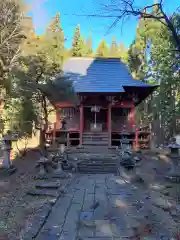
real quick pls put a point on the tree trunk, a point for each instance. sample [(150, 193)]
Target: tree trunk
[(44, 127)]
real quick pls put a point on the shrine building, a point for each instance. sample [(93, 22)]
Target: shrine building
[(108, 96)]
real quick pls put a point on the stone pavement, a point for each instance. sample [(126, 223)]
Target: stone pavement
[(121, 208)]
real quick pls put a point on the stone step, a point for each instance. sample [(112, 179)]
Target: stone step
[(96, 170), (93, 168), (97, 165), (93, 149), (99, 161), (103, 157)]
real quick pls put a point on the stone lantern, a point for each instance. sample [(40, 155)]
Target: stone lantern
[(7, 140), (174, 154), (174, 148)]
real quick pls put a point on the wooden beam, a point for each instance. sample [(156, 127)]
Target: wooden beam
[(124, 104), (64, 104)]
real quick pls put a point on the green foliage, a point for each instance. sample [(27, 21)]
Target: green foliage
[(12, 35), (37, 84), (113, 51), (165, 64), (102, 49), (78, 45), (55, 36), (123, 53), (88, 47), (50, 45), (152, 56), (37, 81)]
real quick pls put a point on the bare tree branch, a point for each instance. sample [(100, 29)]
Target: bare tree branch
[(121, 9)]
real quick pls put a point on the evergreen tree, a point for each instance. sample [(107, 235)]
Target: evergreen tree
[(135, 61), (152, 57), (113, 51), (55, 31), (102, 49), (55, 35), (82, 47), (123, 53), (89, 48), (78, 43), (12, 32)]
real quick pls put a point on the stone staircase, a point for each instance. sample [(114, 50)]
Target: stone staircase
[(95, 139), (95, 159), (99, 163)]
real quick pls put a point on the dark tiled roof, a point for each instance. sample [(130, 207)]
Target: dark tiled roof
[(99, 75)]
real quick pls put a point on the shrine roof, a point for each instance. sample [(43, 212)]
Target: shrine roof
[(100, 75)]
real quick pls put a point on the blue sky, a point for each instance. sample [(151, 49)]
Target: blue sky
[(42, 12)]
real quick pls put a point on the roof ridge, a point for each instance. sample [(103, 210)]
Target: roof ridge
[(94, 58), (100, 74)]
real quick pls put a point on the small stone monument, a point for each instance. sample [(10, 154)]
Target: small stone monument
[(43, 161), (174, 173), (174, 148), (59, 173)]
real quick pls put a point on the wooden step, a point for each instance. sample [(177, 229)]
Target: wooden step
[(96, 133), (95, 143), (94, 138)]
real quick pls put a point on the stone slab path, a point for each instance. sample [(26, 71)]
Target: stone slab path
[(121, 209)]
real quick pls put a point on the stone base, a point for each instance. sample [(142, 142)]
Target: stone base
[(42, 176), (7, 172), (60, 175), (174, 155), (174, 178)]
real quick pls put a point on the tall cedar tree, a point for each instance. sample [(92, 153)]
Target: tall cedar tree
[(151, 57), (113, 51), (12, 34), (89, 48), (102, 49), (55, 34), (123, 53), (77, 43)]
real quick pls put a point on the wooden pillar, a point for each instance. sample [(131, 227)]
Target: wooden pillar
[(81, 122), (54, 136), (133, 128), (58, 122), (68, 139), (107, 119), (109, 125), (132, 118), (136, 138)]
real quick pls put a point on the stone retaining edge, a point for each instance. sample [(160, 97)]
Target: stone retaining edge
[(42, 215)]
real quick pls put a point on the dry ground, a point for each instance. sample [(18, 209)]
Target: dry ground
[(17, 208)]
